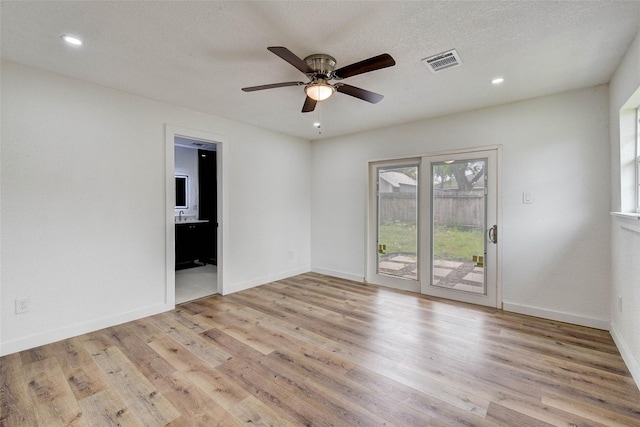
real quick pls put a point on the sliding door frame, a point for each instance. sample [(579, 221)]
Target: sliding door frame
[(371, 237)]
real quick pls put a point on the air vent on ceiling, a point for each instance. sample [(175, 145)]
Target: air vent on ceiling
[(442, 61)]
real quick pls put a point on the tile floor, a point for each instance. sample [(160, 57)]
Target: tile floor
[(196, 282)]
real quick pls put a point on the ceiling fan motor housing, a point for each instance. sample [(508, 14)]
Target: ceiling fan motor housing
[(322, 64)]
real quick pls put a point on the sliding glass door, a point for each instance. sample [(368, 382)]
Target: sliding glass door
[(395, 232), (434, 224), (461, 239)]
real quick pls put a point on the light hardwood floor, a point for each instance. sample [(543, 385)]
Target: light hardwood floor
[(319, 351)]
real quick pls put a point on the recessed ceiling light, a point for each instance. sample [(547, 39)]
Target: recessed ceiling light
[(497, 80), (71, 40)]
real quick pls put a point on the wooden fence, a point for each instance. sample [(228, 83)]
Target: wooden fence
[(450, 208)]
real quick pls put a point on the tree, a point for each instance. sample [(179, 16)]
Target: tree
[(467, 181), (466, 174)]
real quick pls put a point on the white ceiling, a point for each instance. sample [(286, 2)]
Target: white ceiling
[(200, 54)]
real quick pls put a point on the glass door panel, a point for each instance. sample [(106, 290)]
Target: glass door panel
[(397, 217), (458, 213), (460, 243)]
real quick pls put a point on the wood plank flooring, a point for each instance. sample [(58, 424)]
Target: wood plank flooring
[(314, 350)]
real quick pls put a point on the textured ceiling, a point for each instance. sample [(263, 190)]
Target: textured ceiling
[(199, 54)]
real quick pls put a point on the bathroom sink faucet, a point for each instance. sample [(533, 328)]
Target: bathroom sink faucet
[(180, 215)]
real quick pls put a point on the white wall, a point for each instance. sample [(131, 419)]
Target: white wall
[(555, 251), (84, 212), (625, 256)]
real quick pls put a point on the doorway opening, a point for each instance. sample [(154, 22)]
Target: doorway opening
[(195, 219), (193, 215)]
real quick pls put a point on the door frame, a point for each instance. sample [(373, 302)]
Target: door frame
[(171, 132), (371, 223)]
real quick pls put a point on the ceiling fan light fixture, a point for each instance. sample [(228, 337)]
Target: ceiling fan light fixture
[(319, 91)]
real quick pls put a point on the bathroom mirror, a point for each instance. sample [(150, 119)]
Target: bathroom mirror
[(182, 191)]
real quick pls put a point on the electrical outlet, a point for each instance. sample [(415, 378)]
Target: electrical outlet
[(22, 305), (620, 303)]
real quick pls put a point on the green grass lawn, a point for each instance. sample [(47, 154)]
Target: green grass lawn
[(457, 244), (399, 237), (450, 242)]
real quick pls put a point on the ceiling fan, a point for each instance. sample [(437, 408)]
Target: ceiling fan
[(319, 69)]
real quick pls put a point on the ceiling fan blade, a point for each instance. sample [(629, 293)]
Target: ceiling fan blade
[(376, 63), (309, 105), (365, 95), (271, 86), (292, 59)]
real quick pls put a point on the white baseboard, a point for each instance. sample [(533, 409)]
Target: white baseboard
[(49, 337), (627, 355), (557, 315), (338, 274), (237, 287)]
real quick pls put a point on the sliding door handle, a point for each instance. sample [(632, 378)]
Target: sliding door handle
[(493, 234)]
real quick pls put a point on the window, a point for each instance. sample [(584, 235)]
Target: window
[(629, 202), (637, 160)]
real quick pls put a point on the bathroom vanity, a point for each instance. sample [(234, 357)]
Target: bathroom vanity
[(191, 242)]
